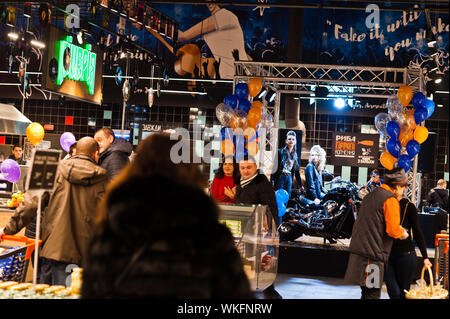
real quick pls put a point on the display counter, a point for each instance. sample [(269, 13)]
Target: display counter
[(256, 237)]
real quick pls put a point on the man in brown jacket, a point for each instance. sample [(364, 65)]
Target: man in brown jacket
[(67, 225)]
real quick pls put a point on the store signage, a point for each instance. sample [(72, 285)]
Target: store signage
[(71, 69), (75, 63), (42, 175), (355, 149)]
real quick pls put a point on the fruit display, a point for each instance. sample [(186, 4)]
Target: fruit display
[(16, 199), (15, 290)]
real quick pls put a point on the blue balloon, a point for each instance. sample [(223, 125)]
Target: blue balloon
[(281, 196), (394, 147), (241, 91), (418, 99), (226, 133), (429, 105), (413, 148), (405, 162), (393, 129), (281, 209), (420, 114), (244, 105), (231, 100)]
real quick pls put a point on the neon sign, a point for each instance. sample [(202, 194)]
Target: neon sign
[(75, 63)]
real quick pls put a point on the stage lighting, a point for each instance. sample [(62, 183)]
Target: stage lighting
[(261, 93), (431, 40), (339, 103), (270, 97), (438, 80)]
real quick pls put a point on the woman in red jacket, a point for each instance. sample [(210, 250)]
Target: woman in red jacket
[(223, 187)]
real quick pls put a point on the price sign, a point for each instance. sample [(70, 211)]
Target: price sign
[(44, 165)]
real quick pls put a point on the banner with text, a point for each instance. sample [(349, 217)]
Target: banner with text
[(355, 149)]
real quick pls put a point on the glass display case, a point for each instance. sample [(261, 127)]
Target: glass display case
[(256, 237)]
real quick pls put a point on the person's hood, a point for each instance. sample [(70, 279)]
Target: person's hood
[(119, 145), (82, 170)]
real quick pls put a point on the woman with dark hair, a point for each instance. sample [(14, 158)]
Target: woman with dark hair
[(159, 235), (223, 186), (288, 165)]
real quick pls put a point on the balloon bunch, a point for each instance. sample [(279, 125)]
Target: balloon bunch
[(241, 118), (402, 127)]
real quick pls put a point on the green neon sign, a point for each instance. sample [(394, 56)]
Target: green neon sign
[(75, 63)]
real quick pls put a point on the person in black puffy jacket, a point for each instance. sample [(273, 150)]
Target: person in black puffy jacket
[(158, 235), (114, 152)]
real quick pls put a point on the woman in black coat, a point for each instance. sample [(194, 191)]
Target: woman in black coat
[(159, 235), (403, 259)]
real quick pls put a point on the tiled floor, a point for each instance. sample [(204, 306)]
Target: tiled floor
[(308, 287)]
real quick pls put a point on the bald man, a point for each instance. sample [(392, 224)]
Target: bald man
[(67, 225)]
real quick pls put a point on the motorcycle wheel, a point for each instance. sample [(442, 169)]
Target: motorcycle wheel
[(289, 233)]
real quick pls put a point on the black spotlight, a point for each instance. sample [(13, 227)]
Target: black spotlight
[(270, 96), (261, 93), (321, 91)]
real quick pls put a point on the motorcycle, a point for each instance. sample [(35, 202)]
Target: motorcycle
[(332, 219)]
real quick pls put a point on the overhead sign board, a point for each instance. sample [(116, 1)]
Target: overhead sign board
[(72, 69)]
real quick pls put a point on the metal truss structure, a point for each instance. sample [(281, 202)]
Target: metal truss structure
[(345, 81)]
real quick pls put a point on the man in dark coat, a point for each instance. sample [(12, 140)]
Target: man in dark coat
[(377, 224), (114, 152), (68, 221), (255, 188), (438, 196)]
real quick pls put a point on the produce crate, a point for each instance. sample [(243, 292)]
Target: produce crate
[(441, 259), (14, 260)]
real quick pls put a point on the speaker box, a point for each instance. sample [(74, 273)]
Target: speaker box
[(428, 154)]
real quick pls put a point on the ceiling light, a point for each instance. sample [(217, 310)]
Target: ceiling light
[(13, 36), (37, 44), (80, 37)]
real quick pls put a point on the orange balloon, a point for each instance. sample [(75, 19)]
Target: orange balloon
[(405, 136), (254, 86), (254, 116), (35, 133), (252, 148), (227, 147), (405, 94), (421, 134), (257, 105), (387, 160)]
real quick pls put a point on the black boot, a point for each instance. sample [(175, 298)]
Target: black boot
[(271, 293)]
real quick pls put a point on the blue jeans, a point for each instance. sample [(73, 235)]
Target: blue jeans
[(284, 181), (399, 273)]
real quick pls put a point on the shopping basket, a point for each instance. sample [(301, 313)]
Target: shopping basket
[(422, 291), (14, 260)]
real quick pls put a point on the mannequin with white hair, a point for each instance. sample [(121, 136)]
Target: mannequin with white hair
[(314, 186)]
